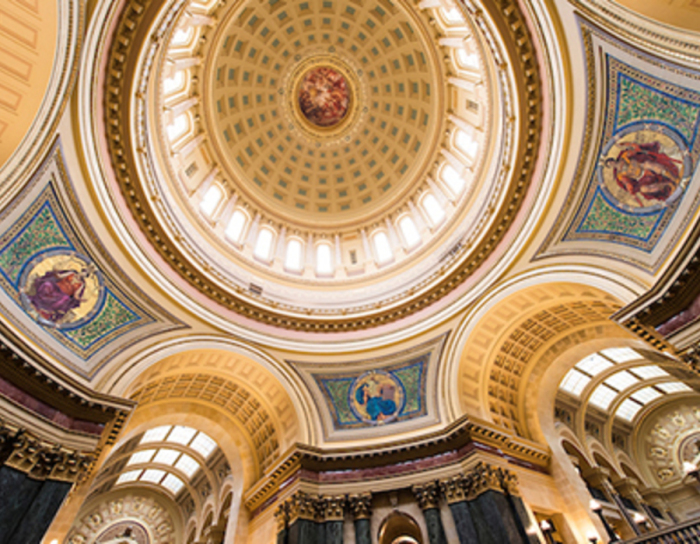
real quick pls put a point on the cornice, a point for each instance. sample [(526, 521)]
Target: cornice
[(447, 447), (123, 56)]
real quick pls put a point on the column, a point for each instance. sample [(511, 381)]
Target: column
[(628, 488), (333, 512), (454, 492), (428, 498), (214, 534), (495, 515), (303, 528), (281, 519), (361, 508), (599, 477)]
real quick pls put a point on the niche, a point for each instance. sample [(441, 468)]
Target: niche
[(399, 528)]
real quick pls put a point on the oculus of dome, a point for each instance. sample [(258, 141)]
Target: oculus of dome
[(324, 96)]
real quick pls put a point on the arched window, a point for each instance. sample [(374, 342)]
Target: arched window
[(453, 180), (453, 16), (293, 258), (324, 259), (466, 144), (174, 83), (182, 36), (211, 200), (236, 227), (433, 209), (467, 60), (409, 232), (264, 244), (382, 248), (178, 128)]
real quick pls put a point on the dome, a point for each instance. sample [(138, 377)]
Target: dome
[(322, 166)]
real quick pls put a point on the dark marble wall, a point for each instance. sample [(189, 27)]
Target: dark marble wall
[(27, 506)]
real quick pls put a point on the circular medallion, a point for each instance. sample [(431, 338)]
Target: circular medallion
[(377, 397), (61, 289), (324, 96), (645, 166)]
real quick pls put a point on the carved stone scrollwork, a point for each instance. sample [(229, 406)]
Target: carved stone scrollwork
[(427, 495), (332, 508), (361, 506)]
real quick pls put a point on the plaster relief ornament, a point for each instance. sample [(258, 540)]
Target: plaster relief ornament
[(61, 289), (324, 96), (377, 397), (645, 167), (125, 532)]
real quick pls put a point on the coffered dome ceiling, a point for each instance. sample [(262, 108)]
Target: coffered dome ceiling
[(321, 165)]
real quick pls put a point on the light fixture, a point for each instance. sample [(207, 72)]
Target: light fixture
[(597, 508), (640, 521), (593, 538), (546, 528), (691, 469)]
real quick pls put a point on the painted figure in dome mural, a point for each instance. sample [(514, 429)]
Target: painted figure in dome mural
[(57, 292), (379, 399), (324, 97), (643, 170)]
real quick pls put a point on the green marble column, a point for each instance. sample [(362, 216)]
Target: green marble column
[(361, 508), (453, 490), (303, 527), (333, 513), (428, 498)]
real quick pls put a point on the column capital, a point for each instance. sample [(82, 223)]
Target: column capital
[(454, 489), (332, 508), (303, 505), (361, 505), (427, 495), (484, 477), (281, 517)]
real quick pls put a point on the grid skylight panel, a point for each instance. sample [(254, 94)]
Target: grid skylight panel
[(621, 355), (187, 465), (649, 372), (594, 364), (628, 409), (166, 457), (130, 476), (674, 387), (646, 395), (153, 475), (181, 435), (172, 483), (156, 434), (603, 396), (203, 445), (141, 457), (621, 380)]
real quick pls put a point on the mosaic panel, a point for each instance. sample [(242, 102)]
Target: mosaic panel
[(645, 159)]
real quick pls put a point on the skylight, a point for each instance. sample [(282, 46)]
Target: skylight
[(574, 382), (594, 364), (674, 387), (181, 435), (152, 475), (156, 434), (187, 465), (172, 483), (628, 409), (166, 457), (141, 457), (621, 355), (649, 372), (621, 380), (203, 445), (130, 476), (646, 395), (602, 396)]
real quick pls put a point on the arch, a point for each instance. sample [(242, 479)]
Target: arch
[(399, 528), (237, 226), (325, 262), (432, 210), (381, 247), (294, 254), (265, 244)]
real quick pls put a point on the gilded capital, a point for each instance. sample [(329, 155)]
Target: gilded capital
[(427, 495), (454, 489), (333, 508), (302, 505), (281, 517), (361, 505)]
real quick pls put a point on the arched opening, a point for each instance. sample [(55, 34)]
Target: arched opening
[(399, 528)]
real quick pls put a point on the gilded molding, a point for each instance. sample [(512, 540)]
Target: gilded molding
[(123, 55)]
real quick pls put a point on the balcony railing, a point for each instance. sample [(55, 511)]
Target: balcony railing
[(688, 531)]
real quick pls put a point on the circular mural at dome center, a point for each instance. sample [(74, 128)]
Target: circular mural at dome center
[(324, 96)]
